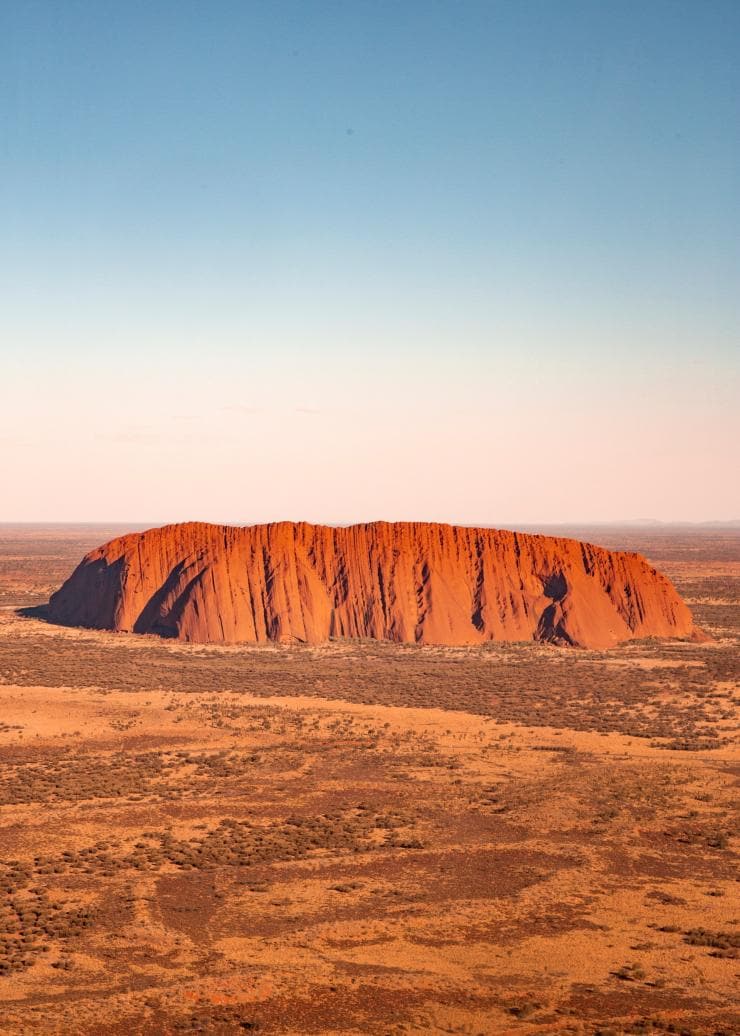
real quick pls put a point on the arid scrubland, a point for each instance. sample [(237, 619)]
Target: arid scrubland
[(368, 838)]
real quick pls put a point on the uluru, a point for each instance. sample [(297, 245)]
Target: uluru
[(406, 582)]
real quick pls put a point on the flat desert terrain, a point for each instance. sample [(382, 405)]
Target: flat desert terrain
[(366, 838)]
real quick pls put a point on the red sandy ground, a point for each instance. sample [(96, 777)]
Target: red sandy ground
[(366, 838)]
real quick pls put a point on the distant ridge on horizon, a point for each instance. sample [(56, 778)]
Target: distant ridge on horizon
[(408, 582)]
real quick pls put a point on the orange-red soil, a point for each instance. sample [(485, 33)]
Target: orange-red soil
[(368, 837)]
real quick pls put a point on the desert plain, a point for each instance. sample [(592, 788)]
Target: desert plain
[(363, 837)]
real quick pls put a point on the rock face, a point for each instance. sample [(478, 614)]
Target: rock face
[(407, 582)]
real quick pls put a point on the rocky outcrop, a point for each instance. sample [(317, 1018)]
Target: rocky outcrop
[(407, 582)]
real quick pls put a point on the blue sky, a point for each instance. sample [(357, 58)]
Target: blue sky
[(465, 261)]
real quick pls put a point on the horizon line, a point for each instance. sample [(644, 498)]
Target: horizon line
[(576, 522)]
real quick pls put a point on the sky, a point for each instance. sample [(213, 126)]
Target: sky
[(330, 261)]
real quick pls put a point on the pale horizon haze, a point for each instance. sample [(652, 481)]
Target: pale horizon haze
[(465, 262)]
